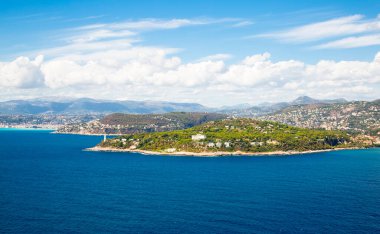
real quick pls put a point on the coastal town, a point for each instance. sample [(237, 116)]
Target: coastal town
[(46, 121), (356, 117)]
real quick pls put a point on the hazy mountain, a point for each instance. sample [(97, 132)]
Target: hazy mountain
[(268, 108), (236, 107), (92, 106), (305, 100), (63, 105)]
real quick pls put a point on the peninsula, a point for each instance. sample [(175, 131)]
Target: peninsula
[(237, 136)]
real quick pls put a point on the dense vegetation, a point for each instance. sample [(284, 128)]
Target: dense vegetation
[(182, 119), (134, 123), (232, 135)]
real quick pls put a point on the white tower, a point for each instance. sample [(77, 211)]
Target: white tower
[(105, 137)]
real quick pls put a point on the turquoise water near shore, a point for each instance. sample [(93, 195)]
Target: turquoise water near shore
[(49, 185), (25, 129)]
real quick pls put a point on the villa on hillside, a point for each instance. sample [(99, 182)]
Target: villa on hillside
[(198, 137)]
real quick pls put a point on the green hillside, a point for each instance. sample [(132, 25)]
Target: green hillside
[(233, 135), (139, 123)]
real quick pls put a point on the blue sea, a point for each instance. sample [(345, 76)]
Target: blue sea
[(49, 185)]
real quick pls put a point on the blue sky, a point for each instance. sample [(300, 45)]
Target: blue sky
[(184, 35), (30, 25)]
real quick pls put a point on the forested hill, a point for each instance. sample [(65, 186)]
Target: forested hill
[(231, 135), (130, 123)]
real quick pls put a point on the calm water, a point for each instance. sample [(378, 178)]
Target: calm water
[(48, 184)]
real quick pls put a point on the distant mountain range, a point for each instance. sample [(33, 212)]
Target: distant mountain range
[(91, 106), (268, 108), (337, 114), (305, 100)]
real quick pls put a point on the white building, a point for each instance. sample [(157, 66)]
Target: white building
[(171, 150), (211, 144), (198, 137), (273, 142)]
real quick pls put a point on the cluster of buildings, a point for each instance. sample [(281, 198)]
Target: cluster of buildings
[(48, 121), (355, 116), (218, 144), (227, 144), (98, 127)]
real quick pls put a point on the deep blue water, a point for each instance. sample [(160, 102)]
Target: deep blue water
[(49, 185)]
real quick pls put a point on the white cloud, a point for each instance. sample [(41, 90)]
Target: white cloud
[(242, 24), (354, 26), (88, 47), (158, 74), (21, 73), (150, 24), (154, 24), (352, 42), (348, 25), (121, 35), (110, 67), (127, 29), (199, 74), (251, 60), (100, 34), (216, 57), (104, 61)]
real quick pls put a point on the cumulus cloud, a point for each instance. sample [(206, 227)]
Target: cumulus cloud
[(105, 61), (22, 73), (190, 75), (129, 66), (214, 57), (158, 74)]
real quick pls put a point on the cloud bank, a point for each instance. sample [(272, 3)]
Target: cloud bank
[(158, 74), (106, 61)]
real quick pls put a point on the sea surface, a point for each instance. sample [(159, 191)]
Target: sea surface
[(49, 185)]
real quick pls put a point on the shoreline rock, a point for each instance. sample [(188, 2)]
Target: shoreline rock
[(214, 154)]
